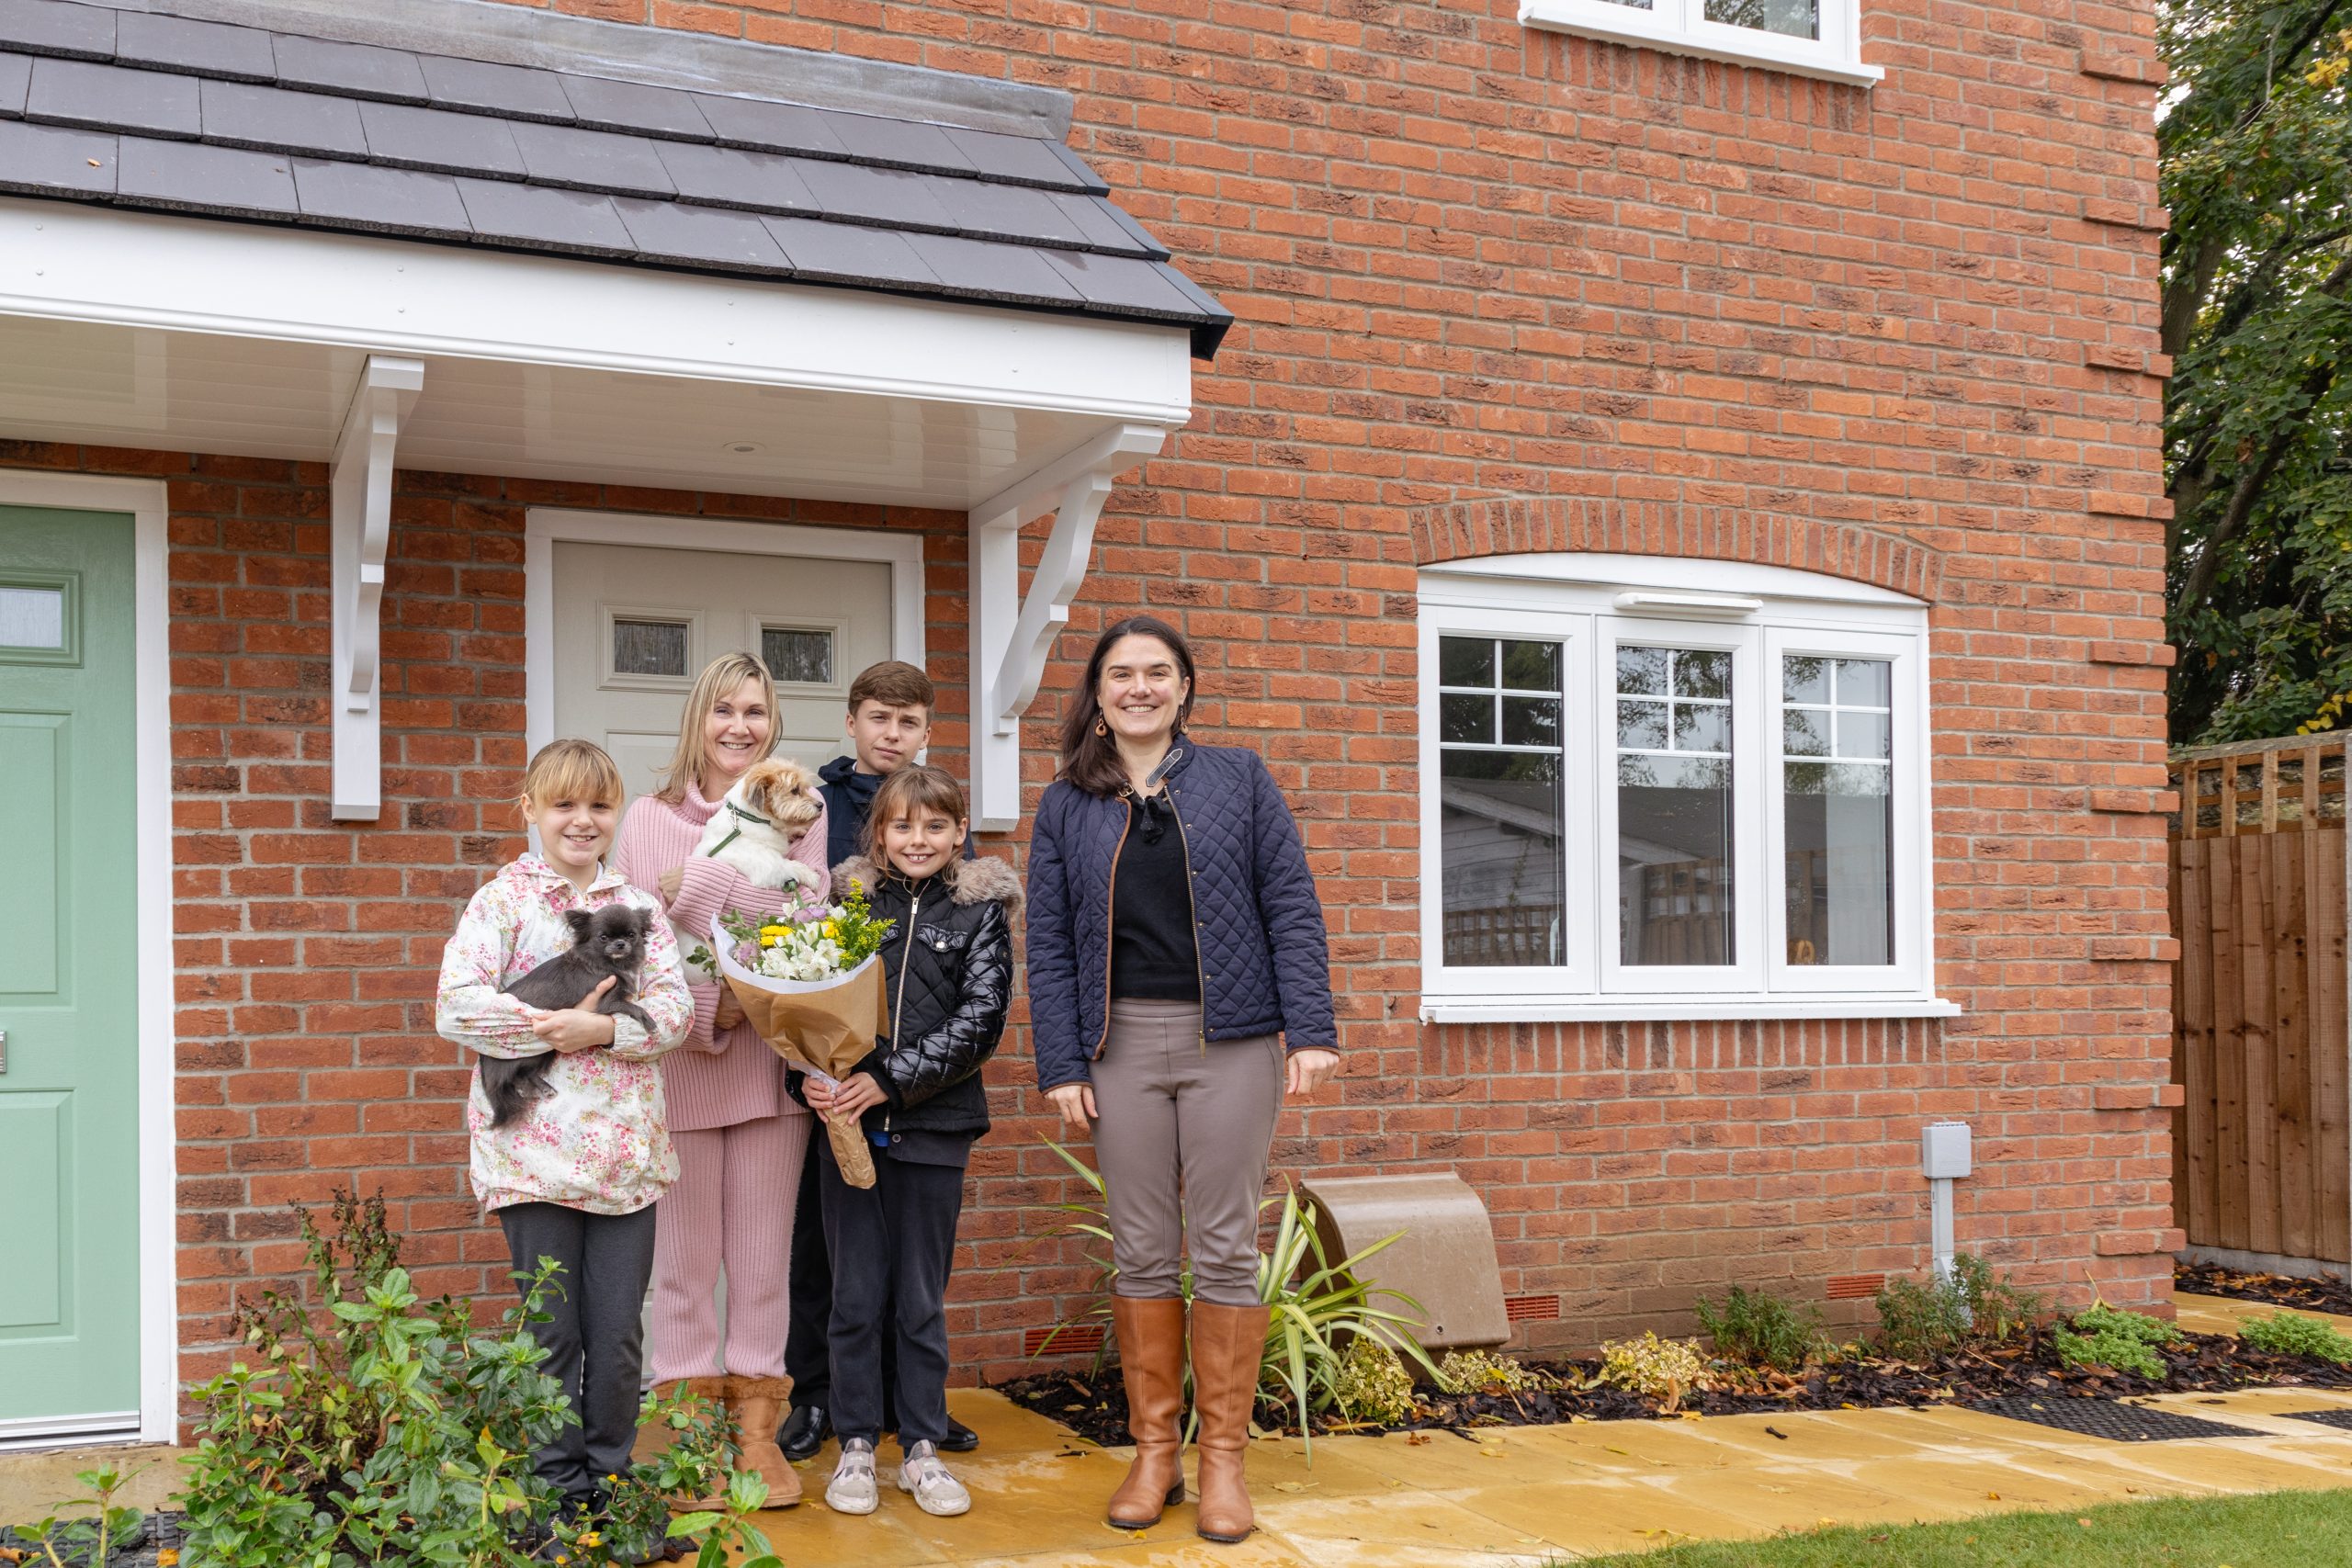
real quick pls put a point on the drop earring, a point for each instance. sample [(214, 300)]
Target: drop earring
[(1100, 727)]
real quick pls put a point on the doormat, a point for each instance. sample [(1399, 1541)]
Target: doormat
[(2108, 1418), (2338, 1417)]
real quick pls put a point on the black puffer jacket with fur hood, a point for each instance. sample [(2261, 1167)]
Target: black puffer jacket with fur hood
[(949, 966)]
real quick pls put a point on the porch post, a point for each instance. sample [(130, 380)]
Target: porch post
[(360, 489), (1013, 637)]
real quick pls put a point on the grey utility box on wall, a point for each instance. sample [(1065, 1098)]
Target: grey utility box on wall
[(1443, 1259)]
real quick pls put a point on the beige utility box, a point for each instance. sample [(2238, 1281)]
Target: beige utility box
[(1444, 1259)]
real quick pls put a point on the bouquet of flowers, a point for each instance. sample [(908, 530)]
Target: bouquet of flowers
[(810, 982)]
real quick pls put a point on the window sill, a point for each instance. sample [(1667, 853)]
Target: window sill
[(1586, 18), (1685, 1009)]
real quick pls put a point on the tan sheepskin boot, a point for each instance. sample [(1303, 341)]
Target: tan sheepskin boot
[(714, 1390), (757, 1405)]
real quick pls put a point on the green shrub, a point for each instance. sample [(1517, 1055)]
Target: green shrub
[(1463, 1371), (392, 1430), (1977, 1305), (2291, 1333), (1663, 1370), (2107, 1336), (1762, 1330), (1371, 1384)]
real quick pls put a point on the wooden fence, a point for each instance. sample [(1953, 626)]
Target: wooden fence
[(2262, 1148)]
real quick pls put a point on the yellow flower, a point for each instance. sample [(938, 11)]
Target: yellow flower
[(830, 928), (168, 1558), (770, 935)]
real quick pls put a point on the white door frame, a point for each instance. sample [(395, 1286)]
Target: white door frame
[(147, 502), (545, 526)]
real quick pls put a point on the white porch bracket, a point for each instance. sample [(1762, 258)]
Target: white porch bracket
[(1013, 637), (360, 488)]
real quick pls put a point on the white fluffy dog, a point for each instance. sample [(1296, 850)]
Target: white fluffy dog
[(753, 829)]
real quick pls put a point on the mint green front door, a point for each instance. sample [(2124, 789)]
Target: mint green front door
[(69, 948)]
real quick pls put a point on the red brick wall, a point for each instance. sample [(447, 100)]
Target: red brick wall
[(1686, 308)]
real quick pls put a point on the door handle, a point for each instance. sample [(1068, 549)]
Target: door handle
[(4, 1052)]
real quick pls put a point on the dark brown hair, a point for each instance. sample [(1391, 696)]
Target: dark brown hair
[(896, 683), (1090, 761), (913, 789)]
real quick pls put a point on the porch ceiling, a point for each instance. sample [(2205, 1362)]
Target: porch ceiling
[(175, 391)]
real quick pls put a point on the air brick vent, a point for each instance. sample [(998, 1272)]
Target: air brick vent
[(1077, 1339), (1531, 1309), (1854, 1287)]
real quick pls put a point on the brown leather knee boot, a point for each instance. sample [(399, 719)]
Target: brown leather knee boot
[(1228, 1343), (1151, 1360), (757, 1405)]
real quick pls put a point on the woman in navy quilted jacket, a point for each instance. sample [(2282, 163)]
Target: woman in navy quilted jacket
[(1179, 986)]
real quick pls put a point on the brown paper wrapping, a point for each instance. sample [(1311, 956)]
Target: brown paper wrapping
[(818, 1026)]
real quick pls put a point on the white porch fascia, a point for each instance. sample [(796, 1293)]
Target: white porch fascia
[(1013, 637), (360, 341)]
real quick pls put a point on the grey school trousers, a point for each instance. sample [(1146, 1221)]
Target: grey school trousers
[(593, 1336), (1182, 1134)]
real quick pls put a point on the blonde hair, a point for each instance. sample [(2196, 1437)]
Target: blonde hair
[(718, 677), (915, 788), (571, 770)]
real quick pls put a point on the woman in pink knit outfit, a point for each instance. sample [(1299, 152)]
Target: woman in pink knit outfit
[(739, 1137)]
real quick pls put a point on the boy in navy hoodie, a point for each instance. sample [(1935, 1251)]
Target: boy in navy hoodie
[(891, 706)]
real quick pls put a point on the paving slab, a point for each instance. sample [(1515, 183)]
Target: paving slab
[(2222, 1315)]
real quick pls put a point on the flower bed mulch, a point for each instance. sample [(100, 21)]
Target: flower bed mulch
[(157, 1533), (1094, 1405), (2276, 1289)]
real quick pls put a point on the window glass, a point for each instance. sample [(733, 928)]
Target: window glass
[(648, 647), (1838, 809), (1674, 807), (32, 617), (1500, 783), (1794, 18), (792, 654)]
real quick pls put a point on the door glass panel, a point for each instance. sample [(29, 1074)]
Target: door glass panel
[(1500, 796), (793, 654), (1837, 810), (648, 647), (32, 617), (1674, 805)]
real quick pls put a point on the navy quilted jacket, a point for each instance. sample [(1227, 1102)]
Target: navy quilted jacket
[(1265, 960)]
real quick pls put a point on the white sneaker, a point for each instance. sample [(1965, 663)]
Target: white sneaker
[(852, 1490), (935, 1490)]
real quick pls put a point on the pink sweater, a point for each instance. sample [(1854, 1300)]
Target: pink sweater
[(710, 1081)]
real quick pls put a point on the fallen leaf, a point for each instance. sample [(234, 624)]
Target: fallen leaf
[(1295, 1485), (1416, 1440), (2084, 1523), (1775, 1431), (1995, 1497)]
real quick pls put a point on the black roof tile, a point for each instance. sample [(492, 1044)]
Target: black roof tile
[(576, 222), (49, 160), (768, 127), (107, 97), (354, 70), (188, 177), (630, 106), (592, 160), (409, 138), (380, 139), (53, 27), (199, 49), (379, 200), (979, 270), (699, 236), (1016, 160), (238, 114), (730, 176), (844, 252), (886, 197), (511, 92)]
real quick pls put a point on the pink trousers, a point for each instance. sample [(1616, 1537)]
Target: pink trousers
[(732, 1205)]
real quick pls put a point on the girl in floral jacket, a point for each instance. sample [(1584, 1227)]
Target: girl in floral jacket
[(574, 1177)]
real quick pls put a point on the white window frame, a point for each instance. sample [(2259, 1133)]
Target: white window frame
[(1590, 603), (1680, 27)]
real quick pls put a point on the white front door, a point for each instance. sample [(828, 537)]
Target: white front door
[(635, 625)]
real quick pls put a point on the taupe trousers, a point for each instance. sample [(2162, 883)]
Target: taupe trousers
[(1182, 1134)]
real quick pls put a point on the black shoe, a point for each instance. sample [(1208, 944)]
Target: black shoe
[(960, 1439), (804, 1432)]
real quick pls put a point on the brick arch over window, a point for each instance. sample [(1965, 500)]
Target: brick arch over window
[(1514, 525)]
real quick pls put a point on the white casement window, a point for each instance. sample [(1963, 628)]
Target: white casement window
[(1658, 788), (1805, 37)]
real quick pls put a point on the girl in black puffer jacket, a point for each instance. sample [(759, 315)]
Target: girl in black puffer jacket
[(948, 965)]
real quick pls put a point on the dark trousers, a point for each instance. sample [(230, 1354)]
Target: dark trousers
[(892, 1245), (807, 1358), (594, 1335)]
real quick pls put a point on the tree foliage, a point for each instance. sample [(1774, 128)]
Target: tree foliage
[(2255, 146)]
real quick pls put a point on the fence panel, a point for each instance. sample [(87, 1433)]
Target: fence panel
[(2262, 1146)]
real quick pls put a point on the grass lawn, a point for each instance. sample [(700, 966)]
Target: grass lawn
[(2264, 1530)]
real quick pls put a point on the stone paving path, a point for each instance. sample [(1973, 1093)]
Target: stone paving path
[(1525, 1495)]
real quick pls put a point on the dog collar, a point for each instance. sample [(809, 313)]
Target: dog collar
[(735, 833)]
